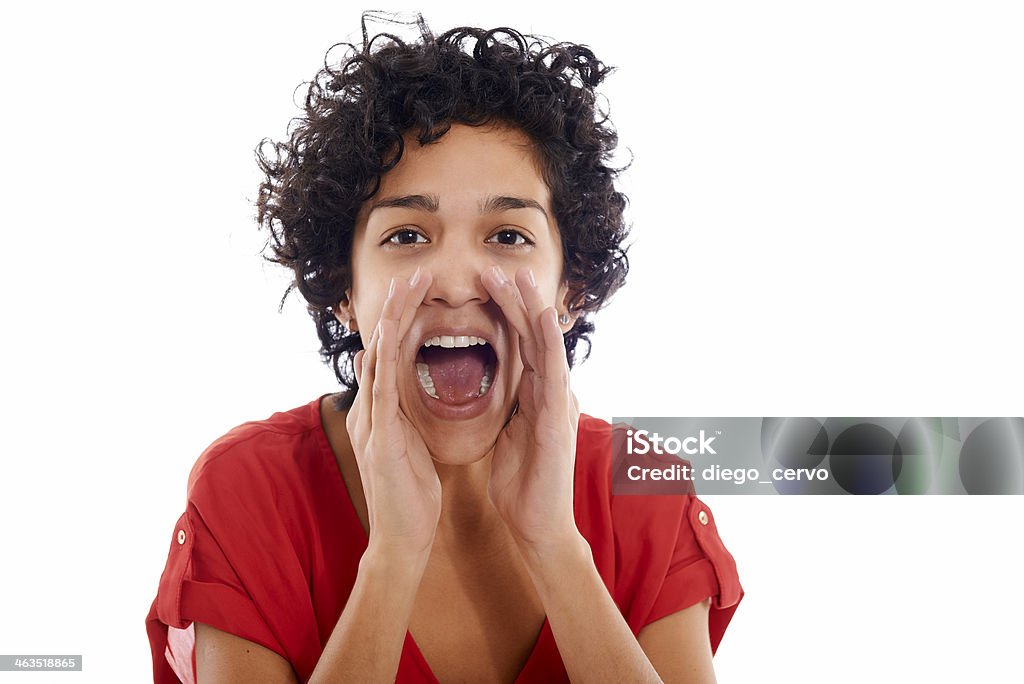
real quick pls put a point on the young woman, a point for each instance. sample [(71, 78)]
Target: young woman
[(448, 213)]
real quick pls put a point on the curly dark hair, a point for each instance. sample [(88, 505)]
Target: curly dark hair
[(352, 134)]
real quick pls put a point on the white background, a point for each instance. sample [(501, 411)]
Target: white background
[(826, 202)]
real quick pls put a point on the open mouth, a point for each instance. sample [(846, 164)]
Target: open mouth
[(457, 369)]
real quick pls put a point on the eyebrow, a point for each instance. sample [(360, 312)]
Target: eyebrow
[(423, 202), (493, 205), (430, 203)]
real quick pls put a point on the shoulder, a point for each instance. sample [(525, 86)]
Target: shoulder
[(593, 451), (601, 457), (601, 473), (257, 498), (663, 516), (268, 454)]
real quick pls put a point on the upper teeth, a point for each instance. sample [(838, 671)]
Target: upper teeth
[(449, 341)]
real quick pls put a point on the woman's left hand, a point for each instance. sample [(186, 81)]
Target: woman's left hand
[(532, 471)]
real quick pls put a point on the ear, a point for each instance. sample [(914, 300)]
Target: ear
[(565, 295), (345, 312)]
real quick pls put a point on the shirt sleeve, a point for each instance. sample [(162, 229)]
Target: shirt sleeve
[(700, 567), (199, 583), (210, 590), (656, 545), (235, 561)]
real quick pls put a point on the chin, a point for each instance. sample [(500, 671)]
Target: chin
[(460, 442), (458, 445)]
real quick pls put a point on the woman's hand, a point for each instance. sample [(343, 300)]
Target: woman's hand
[(403, 493), (532, 472)]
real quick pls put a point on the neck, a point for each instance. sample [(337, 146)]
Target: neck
[(467, 514)]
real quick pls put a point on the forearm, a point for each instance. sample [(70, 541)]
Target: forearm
[(593, 638), (367, 641)]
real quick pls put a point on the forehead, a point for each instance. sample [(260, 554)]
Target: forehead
[(466, 163)]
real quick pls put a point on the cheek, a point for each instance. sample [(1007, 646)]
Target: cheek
[(367, 305), (552, 294), (370, 309), (551, 281), (370, 280)]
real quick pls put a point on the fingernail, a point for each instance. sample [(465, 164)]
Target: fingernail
[(415, 277), (499, 274), (529, 274), (391, 288)]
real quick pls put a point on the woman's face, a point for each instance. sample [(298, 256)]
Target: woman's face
[(472, 200)]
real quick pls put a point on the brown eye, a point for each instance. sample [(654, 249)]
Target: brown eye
[(510, 238), (405, 236)]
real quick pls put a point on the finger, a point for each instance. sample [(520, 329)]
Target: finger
[(419, 282), (556, 367), (352, 417), (368, 359), (357, 369), (357, 366), (365, 394), (527, 392), (368, 350), (398, 292), (507, 296), (534, 306), (385, 384), (404, 297)]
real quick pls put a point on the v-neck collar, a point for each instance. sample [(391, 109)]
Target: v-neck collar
[(545, 633)]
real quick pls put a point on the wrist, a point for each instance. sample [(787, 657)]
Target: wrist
[(556, 554), (396, 564)]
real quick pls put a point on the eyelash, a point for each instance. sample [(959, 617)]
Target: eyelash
[(400, 231), (527, 242)]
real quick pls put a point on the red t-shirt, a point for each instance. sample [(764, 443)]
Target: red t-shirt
[(269, 545)]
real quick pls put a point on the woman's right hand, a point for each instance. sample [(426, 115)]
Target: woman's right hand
[(403, 493)]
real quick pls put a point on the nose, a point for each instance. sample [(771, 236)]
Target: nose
[(456, 278)]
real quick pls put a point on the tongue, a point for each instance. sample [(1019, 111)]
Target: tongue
[(456, 372)]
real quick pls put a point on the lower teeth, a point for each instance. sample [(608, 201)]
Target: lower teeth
[(427, 383), (485, 383)]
